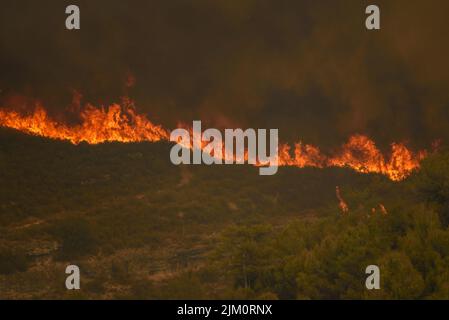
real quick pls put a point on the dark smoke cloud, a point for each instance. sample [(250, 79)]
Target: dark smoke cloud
[(309, 68)]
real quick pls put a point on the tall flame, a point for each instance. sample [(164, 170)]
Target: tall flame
[(98, 125), (121, 123)]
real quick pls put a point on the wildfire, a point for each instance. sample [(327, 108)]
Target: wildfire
[(98, 125), (121, 123)]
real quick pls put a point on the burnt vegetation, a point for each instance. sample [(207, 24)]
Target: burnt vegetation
[(140, 227)]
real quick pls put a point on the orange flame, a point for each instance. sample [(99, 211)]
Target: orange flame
[(121, 123), (98, 125), (360, 154)]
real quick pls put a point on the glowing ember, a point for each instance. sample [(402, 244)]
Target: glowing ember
[(121, 123), (341, 203)]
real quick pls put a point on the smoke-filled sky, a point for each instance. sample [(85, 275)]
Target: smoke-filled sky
[(309, 68)]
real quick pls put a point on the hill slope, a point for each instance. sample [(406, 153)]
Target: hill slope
[(135, 222)]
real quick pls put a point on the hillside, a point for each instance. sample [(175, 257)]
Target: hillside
[(140, 227)]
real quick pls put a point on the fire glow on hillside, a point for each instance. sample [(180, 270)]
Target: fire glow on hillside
[(121, 123)]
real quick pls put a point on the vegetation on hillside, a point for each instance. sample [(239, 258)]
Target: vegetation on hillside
[(139, 227)]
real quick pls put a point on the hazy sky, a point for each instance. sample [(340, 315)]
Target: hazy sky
[(309, 68)]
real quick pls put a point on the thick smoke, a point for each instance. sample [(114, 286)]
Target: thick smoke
[(309, 68)]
